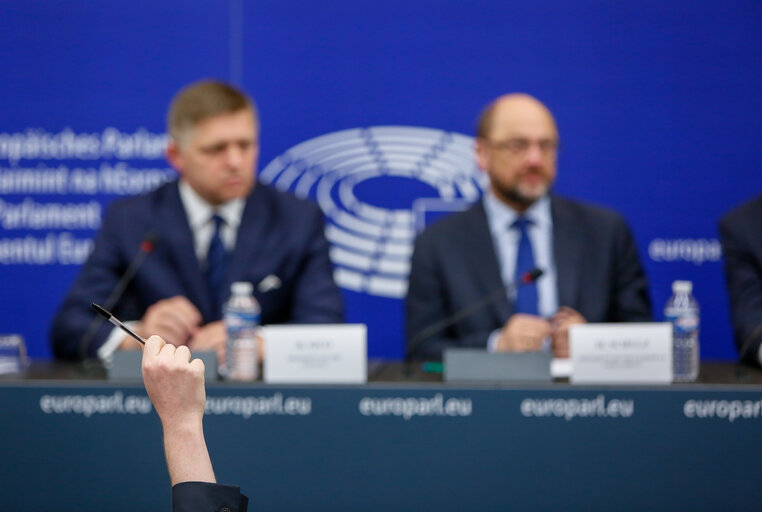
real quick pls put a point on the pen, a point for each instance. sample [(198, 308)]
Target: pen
[(114, 320)]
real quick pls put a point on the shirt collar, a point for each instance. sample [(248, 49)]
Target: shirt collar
[(198, 211), (500, 215)]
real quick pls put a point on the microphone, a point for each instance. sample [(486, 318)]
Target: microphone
[(147, 246), (526, 278)]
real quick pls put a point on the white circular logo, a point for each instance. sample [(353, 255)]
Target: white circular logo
[(372, 185)]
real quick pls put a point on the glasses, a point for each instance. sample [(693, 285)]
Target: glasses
[(520, 147)]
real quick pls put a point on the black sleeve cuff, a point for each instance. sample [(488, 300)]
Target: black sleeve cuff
[(207, 497)]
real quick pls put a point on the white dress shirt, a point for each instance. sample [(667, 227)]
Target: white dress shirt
[(200, 213)]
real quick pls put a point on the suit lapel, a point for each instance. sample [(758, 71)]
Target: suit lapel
[(251, 233), (174, 228), (479, 250), (568, 247)]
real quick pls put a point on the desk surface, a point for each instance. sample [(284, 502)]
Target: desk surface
[(712, 373), (88, 444)]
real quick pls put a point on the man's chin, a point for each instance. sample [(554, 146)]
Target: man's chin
[(529, 195), (238, 191), (521, 196)]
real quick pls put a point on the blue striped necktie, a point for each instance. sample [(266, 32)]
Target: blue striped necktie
[(526, 294), (216, 266)]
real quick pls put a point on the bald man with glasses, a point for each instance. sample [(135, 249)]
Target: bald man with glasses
[(591, 269)]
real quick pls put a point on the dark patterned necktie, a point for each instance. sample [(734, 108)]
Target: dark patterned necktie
[(216, 266), (526, 294)]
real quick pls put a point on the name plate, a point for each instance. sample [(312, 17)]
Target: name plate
[(624, 353), (316, 354), (478, 365)]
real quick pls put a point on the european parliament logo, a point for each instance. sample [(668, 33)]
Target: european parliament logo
[(372, 184)]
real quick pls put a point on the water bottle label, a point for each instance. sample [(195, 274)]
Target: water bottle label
[(241, 320), (684, 324), (241, 356)]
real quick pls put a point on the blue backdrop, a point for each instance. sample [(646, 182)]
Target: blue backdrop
[(657, 104)]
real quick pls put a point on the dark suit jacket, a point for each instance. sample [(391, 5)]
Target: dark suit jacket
[(741, 236), (455, 265), (206, 497), (279, 234)]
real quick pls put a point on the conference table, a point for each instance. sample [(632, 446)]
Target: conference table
[(72, 440)]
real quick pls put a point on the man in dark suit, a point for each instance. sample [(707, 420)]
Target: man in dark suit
[(212, 227), (591, 269), (741, 237)]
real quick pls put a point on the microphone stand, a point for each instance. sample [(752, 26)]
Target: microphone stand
[(416, 341), (146, 248)]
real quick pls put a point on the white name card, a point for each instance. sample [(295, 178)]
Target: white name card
[(625, 353), (316, 354)]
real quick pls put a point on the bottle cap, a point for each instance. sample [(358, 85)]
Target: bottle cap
[(682, 286), (241, 288)]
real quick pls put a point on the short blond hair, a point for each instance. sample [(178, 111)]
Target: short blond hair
[(202, 100)]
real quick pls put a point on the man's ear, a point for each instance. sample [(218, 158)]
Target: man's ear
[(174, 156), (482, 153)]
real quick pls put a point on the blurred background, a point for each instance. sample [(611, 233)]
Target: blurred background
[(658, 106)]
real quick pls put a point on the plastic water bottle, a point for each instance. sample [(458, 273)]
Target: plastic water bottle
[(683, 311), (241, 314)]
